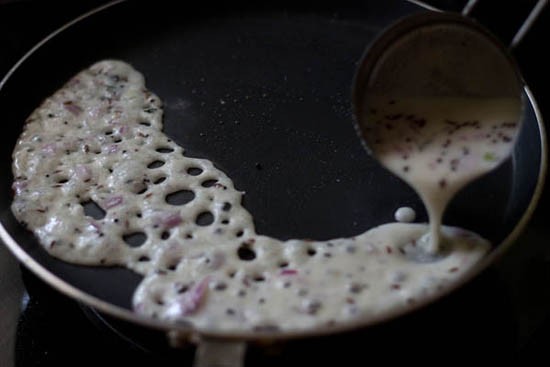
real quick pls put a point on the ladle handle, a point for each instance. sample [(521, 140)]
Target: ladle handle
[(525, 26), (522, 31)]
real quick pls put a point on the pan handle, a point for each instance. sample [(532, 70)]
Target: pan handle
[(219, 353), (210, 352)]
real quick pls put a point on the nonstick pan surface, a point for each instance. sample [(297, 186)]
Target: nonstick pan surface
[(264, 93)]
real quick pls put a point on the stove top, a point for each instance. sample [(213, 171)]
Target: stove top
[(502, 316)]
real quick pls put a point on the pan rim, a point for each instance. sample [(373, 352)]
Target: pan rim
[(195, 335)]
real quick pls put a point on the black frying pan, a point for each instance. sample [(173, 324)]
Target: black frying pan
[(284, 135)]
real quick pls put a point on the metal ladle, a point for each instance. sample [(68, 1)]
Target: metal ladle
[(436, 54)]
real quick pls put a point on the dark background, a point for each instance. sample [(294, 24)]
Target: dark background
[(508, 307)]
